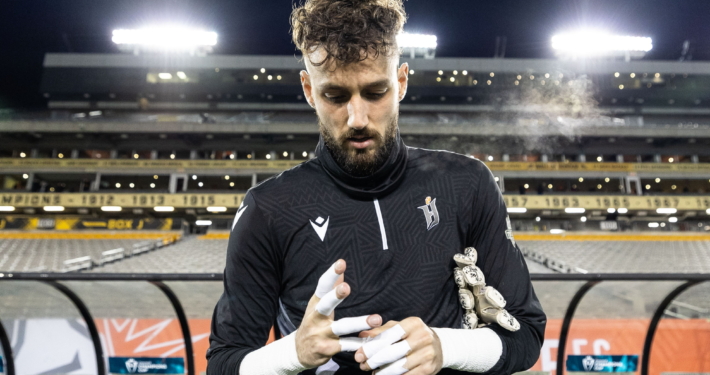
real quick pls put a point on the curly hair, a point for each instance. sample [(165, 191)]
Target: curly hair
[(349, 31)]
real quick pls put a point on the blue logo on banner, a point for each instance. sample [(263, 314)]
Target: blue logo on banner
[(602, 363), (144, 365), (2, 369)]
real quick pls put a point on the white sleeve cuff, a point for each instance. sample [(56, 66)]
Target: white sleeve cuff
[(279, 357), (471, 350)]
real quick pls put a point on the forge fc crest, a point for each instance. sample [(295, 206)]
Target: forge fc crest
[(430, 212)]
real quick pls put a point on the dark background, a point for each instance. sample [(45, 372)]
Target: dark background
[(465, 28)]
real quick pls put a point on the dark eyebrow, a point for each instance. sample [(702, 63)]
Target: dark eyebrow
[(331, 86)]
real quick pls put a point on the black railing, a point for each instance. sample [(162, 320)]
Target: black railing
[(591, 280)]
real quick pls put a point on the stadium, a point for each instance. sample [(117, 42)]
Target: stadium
[(119, 192)]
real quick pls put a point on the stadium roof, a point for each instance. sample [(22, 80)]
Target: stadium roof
[(71, 60), (463, 29)]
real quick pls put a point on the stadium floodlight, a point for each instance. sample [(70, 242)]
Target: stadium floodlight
[(111, 208), (417, 45), (707, 211), (672, 219), (164, 208), (7, 208), (203, 222), (54, 208), (557, 231), (407, 40), (666, 210), (165, 76), (217, 209), (517, 210), (596, 43), (574, 210), (165, 38), (653, 225), (622, 210)]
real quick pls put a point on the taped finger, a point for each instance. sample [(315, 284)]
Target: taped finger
[(351, 344), (389, 354), (327, 281), (346, 326), (396, 368), (328, 303), (383, 340)]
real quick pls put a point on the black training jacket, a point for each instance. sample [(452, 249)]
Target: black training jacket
[(398, 231)]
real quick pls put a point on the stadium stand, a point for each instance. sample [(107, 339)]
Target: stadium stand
[(621, 256), (53, 252), (192, 255), (204, 254)]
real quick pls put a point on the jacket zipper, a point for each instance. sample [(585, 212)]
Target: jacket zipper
[(382, 224)]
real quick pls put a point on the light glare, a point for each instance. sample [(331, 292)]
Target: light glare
[(406, 40), (517, 210), (593, 42), (169, 37)]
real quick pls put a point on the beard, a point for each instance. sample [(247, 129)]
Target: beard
[(361, 162)]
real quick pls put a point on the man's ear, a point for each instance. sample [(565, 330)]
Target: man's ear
[(402, 80), (307, 88)]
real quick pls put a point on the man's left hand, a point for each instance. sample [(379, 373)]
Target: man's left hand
[(424, 356)]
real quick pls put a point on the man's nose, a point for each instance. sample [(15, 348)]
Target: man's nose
[(357, 113)]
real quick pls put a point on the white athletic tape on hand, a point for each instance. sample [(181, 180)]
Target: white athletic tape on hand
[(396, 368), (346, 326), (389, 354), (382, 340), (328, 303), (326, 282), (351, 344)]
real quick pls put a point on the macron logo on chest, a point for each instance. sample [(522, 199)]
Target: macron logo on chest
[(320, 226)]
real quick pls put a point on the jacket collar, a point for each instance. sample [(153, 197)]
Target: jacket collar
[(379, 184)]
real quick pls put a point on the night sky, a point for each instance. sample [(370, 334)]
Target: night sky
[(465, 28)]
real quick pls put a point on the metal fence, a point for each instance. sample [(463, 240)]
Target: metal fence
[(578, 285)]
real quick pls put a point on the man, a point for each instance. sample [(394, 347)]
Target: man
[(392, 215)]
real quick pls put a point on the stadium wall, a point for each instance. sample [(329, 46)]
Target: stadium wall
[(680, 345)]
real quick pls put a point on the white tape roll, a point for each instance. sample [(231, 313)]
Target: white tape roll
[(328, 303), (351, 344), (346, 326), (389, 354), (326, 282), (396, 368), (382, 340)]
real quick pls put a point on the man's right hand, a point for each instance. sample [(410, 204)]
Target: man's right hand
[(317, 339)]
